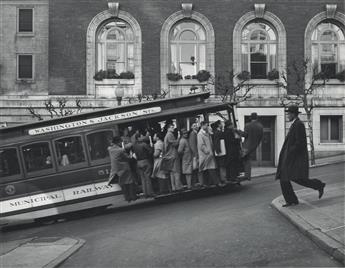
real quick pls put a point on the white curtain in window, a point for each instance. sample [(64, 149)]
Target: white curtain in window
[(259, 49), (187, 48), (328, 49), (115, 46)]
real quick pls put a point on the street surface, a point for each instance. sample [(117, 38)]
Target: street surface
[(234, 228)]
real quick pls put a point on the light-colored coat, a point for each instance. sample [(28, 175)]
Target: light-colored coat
[(158, 152), (187, 158), (170, 151), (205, 151)]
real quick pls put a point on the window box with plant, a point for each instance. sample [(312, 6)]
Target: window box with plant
[(200, 78), (325, 77), (188, 77), (107, 77)]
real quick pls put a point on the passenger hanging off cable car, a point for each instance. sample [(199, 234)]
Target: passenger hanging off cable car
[(120, 168)]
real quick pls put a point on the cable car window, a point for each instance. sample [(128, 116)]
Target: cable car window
[(98, 143), (9, 164), (37, 156), (187, 122), (219, 115), (69, 151)]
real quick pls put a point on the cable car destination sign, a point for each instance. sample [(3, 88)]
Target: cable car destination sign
[(94, 121)]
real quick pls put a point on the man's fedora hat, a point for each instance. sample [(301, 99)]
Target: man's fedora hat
[(292, 109)]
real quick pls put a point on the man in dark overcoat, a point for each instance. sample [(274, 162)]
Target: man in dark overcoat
[(120, 168), (253, 132), (233, 149), (293, 162)]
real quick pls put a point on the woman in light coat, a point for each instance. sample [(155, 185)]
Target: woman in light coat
[(207, 161), (158, 173)]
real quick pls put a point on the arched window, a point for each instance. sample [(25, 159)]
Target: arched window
[(187, 40), (115, 46), (259, 49), (328, 49)]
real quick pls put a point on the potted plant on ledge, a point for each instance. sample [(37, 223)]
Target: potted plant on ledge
[(203, 76), (244, 75), (174, 77), (340, 76), (320, 76), (273, 74)]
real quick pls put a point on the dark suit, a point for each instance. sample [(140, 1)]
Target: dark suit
[(293, 163), (120, 167), (144, 154), (253, 133), (233, 148)]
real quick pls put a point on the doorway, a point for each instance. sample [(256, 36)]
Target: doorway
[(264, 154)]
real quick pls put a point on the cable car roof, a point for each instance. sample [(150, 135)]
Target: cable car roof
[(162, 109)]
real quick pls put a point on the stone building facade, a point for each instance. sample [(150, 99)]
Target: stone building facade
[(70, 42)]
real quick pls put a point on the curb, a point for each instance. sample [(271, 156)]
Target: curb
[(328, 244), (64, 256), (314, 166), (328, 163)]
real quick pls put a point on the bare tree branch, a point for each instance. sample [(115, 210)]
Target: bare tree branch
[(34, 114), (59, 111), (229, 91), (302, 91)]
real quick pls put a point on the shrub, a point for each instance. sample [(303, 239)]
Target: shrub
[(244, 75), (203, 75), (341, 76), (320, 76), (188, 77), (127, 75), (111, 74), (273, 74), (174, 76), (100, 75)]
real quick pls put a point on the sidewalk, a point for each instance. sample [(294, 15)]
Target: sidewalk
[(45, 252), (321, 220)]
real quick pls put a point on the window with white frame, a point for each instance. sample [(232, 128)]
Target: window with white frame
[(328, 49), (259, 49), (115, 46), (25, 66), (187, 44), (331, 128), (25, 20)]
